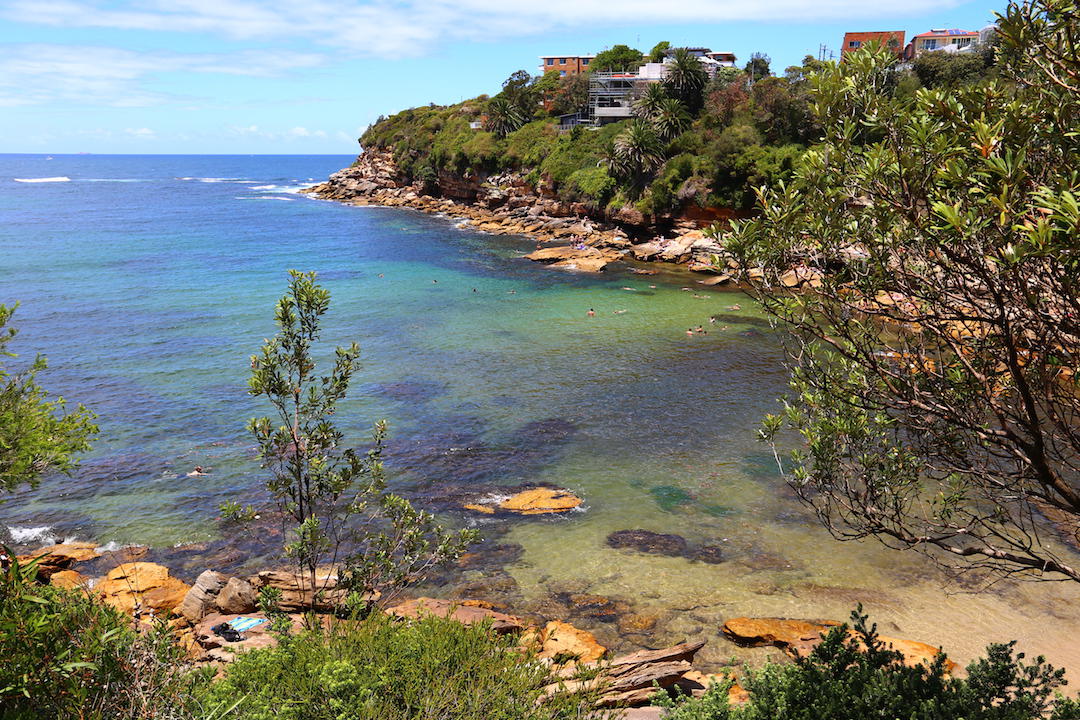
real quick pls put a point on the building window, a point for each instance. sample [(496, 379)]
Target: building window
[(562, 61), (930, 44), (585, 61), (963, 42), (854, 44), (550, 61)]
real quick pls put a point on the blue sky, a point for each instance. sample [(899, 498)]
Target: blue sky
[(280, 76)]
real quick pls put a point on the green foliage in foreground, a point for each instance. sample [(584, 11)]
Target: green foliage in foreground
[(68, 656), (36, 434), (854, 677), (380, 669)]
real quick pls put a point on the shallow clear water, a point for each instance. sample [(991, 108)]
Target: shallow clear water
[(148, 281)]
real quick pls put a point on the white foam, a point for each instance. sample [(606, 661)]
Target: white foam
[(123, 180), (264, 187), (43, 180), (265, 197), (26, 535)]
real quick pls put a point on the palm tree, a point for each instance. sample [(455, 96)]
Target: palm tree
[(685, 79), (647, 105), (636, 152), (503, 117), (669, 119)]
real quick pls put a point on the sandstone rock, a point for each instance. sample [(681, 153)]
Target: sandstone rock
[(238, 596), (799, 637), (562, 641), (721, 279), (464, 614), (635, 624), (802, 276), (632, 679), (629, 215), (678, 250), (696, 683), (647, 541), (200, 598), (143, 586), (217, 648), (646, 251), (67, 579), (596, 606), (588, 259), (541, 501), (54, 558), (296, 589)]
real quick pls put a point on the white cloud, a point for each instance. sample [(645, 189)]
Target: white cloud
[(142, 133), (38, 73), (410, 27)]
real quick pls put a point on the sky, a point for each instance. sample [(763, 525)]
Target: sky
[(287, 77)]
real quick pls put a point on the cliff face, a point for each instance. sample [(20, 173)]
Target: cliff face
[(505, 203)]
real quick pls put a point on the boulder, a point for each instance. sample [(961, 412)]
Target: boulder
[(678, 250), (141, 586), (200, 598), (462, 613), (238, 596), (562, 641), (802, 276), (695, 683)]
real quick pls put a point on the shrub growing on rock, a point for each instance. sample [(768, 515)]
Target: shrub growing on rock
[(379, 669), (851, 675)]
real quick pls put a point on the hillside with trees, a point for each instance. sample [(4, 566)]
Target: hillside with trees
[(693, 140)]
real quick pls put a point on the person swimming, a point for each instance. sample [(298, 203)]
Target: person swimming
[(591, 313), (690, 332), (199, 470), (736, 306)]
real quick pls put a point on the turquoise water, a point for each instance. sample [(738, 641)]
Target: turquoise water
[(149, 281)]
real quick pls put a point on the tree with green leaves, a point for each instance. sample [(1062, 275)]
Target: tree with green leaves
[(503, 117), (636, 153), (659, 51), (37, 434), (619, 58), (336, 497), (757, 67), (685, 79), (669, 119), (936, 363), (650, 101)]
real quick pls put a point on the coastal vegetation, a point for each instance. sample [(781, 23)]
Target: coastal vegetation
[(375, 541), (694, 140), (37, 434), (935, 361)]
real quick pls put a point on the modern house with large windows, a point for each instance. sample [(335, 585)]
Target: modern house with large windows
[(941, 39)]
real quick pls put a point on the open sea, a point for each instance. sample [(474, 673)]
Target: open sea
[(148, 281)]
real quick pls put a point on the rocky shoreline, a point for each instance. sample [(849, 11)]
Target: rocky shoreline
[(577, 660), (584, 238)]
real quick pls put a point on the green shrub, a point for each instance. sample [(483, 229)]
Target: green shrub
[(381, 669), (854, 677), (594, 183), (529, 145), (66, 655)]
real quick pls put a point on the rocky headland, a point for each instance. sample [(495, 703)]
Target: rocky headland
[(581, 237)]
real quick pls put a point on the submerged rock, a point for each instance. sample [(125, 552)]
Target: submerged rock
[(649, 542)]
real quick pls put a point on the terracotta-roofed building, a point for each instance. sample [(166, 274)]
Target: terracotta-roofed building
[(889, 38)]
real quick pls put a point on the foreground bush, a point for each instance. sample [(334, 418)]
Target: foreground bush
[(381, 669), (64, 655), (852, 676)]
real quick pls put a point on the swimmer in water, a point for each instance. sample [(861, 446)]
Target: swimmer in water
[(736, 306), (197, 471), (699, 329), (712, 321), (690, 332), (380, 275), (591, 313), (618, 312)]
